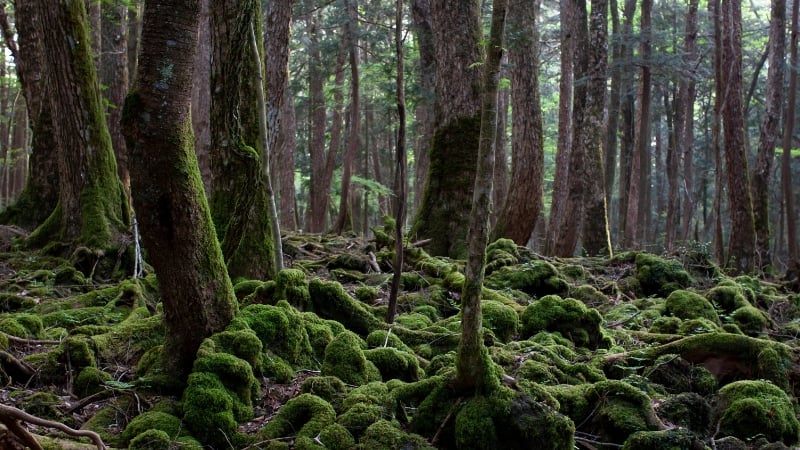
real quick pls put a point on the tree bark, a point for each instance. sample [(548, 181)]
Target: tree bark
[(421, 20), (687, 94), (523, 203), (239, 202), (168, 194), (201, 97), (92, 209), (786, 159), (769, 131), (472, 358), (446, 202), (741, 244)]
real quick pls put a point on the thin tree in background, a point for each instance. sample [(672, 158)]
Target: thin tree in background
[(769, 130), (687, 94), (353, 141), (400, 170), (421, 19), (472, 357), (167, 191), (793, 263), (741, 244), (716, 144), (524, 202)]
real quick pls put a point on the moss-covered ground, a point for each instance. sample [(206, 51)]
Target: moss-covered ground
[(640, 351)]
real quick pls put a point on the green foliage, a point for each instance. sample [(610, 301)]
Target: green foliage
[(747, 409), (689, 305), (567, 316), (658, 276), (535, 278)]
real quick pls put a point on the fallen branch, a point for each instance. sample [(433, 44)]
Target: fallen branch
[(19, 369), (22, 341), (9, 415)]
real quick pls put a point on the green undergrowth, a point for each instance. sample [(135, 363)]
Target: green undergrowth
[(638, 352)]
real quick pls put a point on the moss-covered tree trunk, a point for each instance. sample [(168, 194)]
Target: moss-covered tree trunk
[(168, 195), (92, 207), (40, 196), (447, 200), (238, 191), (423, 35), (472, 360)]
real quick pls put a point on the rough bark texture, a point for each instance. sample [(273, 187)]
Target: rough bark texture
[(92, 206), (626, 123), (238, 195), (40, 196), (565, 87), (687, 94), (524, 202), (473, 371), (443, 214), (769, 131), (201, 96), (114, 75), (786, 159), (741, 248), (595, 233), (421, 15), (501, 167), (175, 220)]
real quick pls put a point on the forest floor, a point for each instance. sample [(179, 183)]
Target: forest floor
[(639, 351)]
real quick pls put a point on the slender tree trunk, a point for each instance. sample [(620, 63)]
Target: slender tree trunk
[(687, 93), (92, 208), (786, 160), (285, 164), (718, 239), (354, 138), (201, 96), (421, 15), (611, 145), (500, 181), (769, 130), (565, 95), (741, 248), (472, 358), (318, 190), (627, 121), (239, 202), (168, 194)]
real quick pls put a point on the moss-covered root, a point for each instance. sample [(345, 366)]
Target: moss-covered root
[(751, 408), (303, 416), (728, 357), (330, 301), (345, 359)]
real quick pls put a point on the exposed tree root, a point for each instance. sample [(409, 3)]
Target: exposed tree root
[(10, 416)]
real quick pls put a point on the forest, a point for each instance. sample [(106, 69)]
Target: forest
[(407, 224)]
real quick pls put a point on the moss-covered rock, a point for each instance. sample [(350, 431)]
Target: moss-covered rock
[(728, 297), (305, 415), (678, 375), (687, 410), (281, 329), (746, 409), (569, 317), (291, 285), (394, 364), (385, 435), (331, 389), (689, 305), (590, 296), (330, 301), (345, 359), (658, 276), (663, 440), (414, 321), (13, 302), (535, 278), (501, 319), (501, 253), (246, 287), (90, 381), (153, 420), (750, 320), (151, 440)]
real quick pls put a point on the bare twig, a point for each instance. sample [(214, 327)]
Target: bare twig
[(446, 419)]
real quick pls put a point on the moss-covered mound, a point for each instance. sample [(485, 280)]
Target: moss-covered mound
[(753, 408), (567, 316), (535, 278)]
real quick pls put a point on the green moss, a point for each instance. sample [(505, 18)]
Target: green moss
[(276, 369), (590, 296), (246, 287), (78, 352), (727, 297), (131, 338), (209, 410), (45, 405), (234, 373), (385, 435), (90, 381), (750, 320), (536, 278), (23, 325), (118, 411), (243, 344), (690, 305), (501, 319), (291, 285), (414, 321), (320, 334), (661, 440), (170, 425), (330, 301), (658, 276), (687, 410), (698, 326), (151, 440), (501, 253), (344, 358), (330, 389), (747, 409), (569, 317), (306, 415), (666, 325), (281, 328), (367, 294), (394, 364), (336, 437), (13, 302)]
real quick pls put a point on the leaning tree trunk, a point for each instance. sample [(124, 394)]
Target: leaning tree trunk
[(741, 244), (239, 202), (472, 358), (167, 191), (524, 202), (447, 199), (770, 128), (40, 196), (92, 209)]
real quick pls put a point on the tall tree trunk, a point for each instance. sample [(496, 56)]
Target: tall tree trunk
[(285, 163), (500, 182), (114, 75), (40, 196), (627, 121), (443, 214), (741, 245), (595, 235), (239, 203), (354, 137), (523, 203), (168, 194), (768, 139), (318, 191), (92, 209), (421, 15), (565, 95), (472, 358), (611, 144), (201, 96), (674, 150), (687, 93), (639, 181), (719, 242), (786, 159)]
